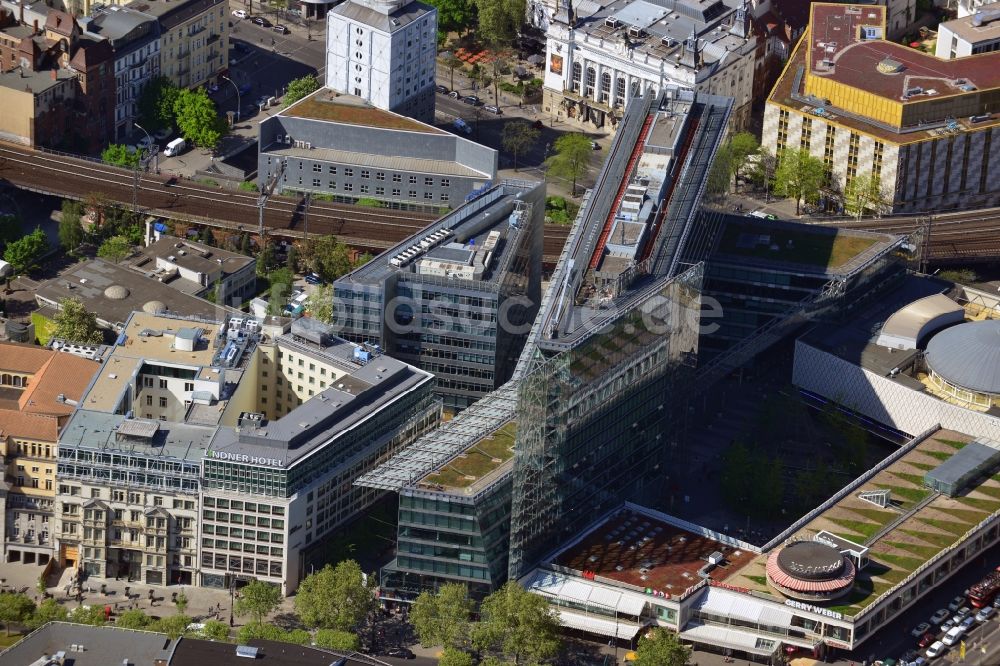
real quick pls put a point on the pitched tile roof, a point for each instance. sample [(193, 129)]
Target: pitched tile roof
[(41, 427)]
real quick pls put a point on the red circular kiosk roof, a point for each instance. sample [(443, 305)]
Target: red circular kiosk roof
[(830, 586)]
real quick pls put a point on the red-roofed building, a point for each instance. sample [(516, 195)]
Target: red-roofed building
[(923, 126), (39, 389)]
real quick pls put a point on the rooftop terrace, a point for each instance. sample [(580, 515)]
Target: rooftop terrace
[(917, 525), (147, 338), (821, 249), (334, 107), (476, 463), (649, 550)]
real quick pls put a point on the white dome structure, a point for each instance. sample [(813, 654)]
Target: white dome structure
[(116, 292)]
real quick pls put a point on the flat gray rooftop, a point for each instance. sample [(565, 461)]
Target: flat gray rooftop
[(88, 282), (191, 256), (355, 397), (99, 430), (471, 221), (104, 646)]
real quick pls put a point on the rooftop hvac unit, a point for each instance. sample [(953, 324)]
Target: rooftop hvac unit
[(636, 32), (611, 22)]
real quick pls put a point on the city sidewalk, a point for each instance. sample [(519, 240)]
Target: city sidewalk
[(156, 600)]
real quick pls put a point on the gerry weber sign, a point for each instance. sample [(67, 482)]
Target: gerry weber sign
[(244, 458), (814, 609)]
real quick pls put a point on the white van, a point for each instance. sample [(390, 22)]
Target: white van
[(175, 147), (953, 636)]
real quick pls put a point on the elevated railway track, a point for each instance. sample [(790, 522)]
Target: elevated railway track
[(71, 177)]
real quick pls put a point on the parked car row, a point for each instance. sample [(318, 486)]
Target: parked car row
[(261, 21), (946, 628)]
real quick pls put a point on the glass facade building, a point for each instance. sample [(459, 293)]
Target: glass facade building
[(433, 311)]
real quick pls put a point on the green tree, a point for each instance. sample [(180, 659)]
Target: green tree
[(297, 636), (453, 657), (23, 254), (864, 194), (267, 632), (518, 136), (156, 104), (15, 608), (799, 175), (334, 639), (329, 258), (258, 599), (74, 323), (741, 146), (197, 119), (499, 21), (661, 647), (10, 228), (368, 202), (335, 597), (571, 158), (453, 15), (133, 619), (443, 618), (720, 175), (453, 62), (266, 260), (174, 626), (70, 232), (114, 249), (299, 88), (517, 624), (292, 257), (320, 304), (49, 610), (118, 154), (92, 615), (959, 275), (181, 602), (216, 631)]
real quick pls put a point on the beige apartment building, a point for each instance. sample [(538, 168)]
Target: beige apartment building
[(194, 39), (39, 390)]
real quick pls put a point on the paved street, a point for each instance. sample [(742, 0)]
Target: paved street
[(487, 129)]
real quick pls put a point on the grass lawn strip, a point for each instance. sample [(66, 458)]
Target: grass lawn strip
[(940, 540), (958, 529), (868, 530), (925, 552), (984, 504)]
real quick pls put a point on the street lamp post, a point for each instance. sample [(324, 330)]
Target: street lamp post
[(143, 161), (238, 104)]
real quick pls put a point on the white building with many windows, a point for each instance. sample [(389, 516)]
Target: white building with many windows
[(600, 56), (209, 453), (384, 52)]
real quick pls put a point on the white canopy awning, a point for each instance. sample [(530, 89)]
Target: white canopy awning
[(554, 585), (729, 637), (738, 606), (599, 626), (631, 604)]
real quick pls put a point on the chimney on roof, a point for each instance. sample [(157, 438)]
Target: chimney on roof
[(36, 25), (21, 12), (55, 74)]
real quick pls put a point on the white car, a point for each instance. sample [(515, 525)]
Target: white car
[(985, 613), (239, 13), (956, 603), (953, 636), (936, 649)]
